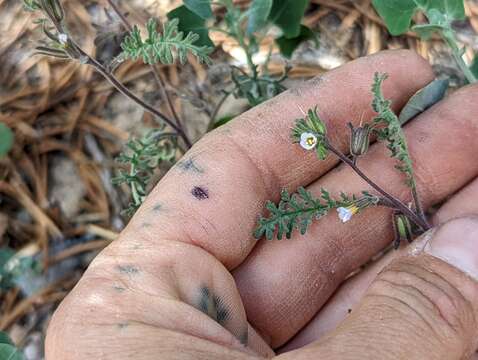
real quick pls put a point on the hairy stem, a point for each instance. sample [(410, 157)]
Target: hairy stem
[(450, 39), (159, 79), (123, 89), (126, 92), (399, 205)]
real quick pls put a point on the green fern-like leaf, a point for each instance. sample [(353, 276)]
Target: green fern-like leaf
[(143, 156), (295, 211), (165, 47), (388, 128), (31, 5)]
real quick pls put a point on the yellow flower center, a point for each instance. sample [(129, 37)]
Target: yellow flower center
[(353, 209), (310, 141)]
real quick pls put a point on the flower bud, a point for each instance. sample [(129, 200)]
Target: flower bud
[(360, 139), (403, 229)]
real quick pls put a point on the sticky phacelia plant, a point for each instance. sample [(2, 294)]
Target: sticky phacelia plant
[(298, 210), (186, 32)]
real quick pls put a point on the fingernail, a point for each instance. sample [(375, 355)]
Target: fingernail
[(455, 242)]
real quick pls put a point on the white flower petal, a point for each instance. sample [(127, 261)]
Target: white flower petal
[(63, 38), (344, 214), (308, 141)]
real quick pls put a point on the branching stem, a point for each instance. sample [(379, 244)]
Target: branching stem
[(126, 92), (399, 205), (159, 79), (450, 39)]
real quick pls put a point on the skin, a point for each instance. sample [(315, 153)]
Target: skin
[(186, 279)]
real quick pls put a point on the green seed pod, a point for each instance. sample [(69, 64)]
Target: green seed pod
[(403, 229), (360, 140)]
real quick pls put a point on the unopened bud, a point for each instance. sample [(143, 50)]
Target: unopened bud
[(403, 229), (359, 140)]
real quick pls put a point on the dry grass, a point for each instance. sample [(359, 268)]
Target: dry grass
[(61, 112)]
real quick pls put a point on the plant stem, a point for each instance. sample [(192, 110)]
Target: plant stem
[(450, 39), (160, 81), (126, 92), (245, 47), (89, 60), (392, 199), (212, 119)]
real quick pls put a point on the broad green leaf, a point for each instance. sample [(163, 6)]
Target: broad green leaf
[(201, 8), (190, 22), (287, 14), (5, 339), (9, 352), (258, 13), (6, 139), (423, 99), (397, 14), (287, 46), (452, 9)]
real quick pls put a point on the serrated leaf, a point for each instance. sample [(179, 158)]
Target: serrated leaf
[(258, 13), (423, 99), (288, 45), (190, 22), (288, 14), (10, 352), (6, 139), (159, 47), (201, 8)]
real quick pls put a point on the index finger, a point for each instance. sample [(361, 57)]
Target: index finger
[(212, 196)]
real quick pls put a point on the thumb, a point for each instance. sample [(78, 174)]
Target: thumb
[(424, 305)]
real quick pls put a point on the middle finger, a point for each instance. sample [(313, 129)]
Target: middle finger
[(283, 284)]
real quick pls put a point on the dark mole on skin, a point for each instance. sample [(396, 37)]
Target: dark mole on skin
[(200, 193), (157, 207), (119, 288), (123, 325), (127, 269), (212, 305), (190, 165)]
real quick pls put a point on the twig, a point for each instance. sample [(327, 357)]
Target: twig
[(89, 60), (126, 92), (392, 199), (212, 120)]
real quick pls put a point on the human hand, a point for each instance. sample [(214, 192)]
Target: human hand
[(186, 279)]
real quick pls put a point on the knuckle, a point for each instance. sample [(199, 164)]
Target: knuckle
[(436, 306)]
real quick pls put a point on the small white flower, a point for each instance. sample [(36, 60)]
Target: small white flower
[(308, 141), (63, 38), (346, 213)]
